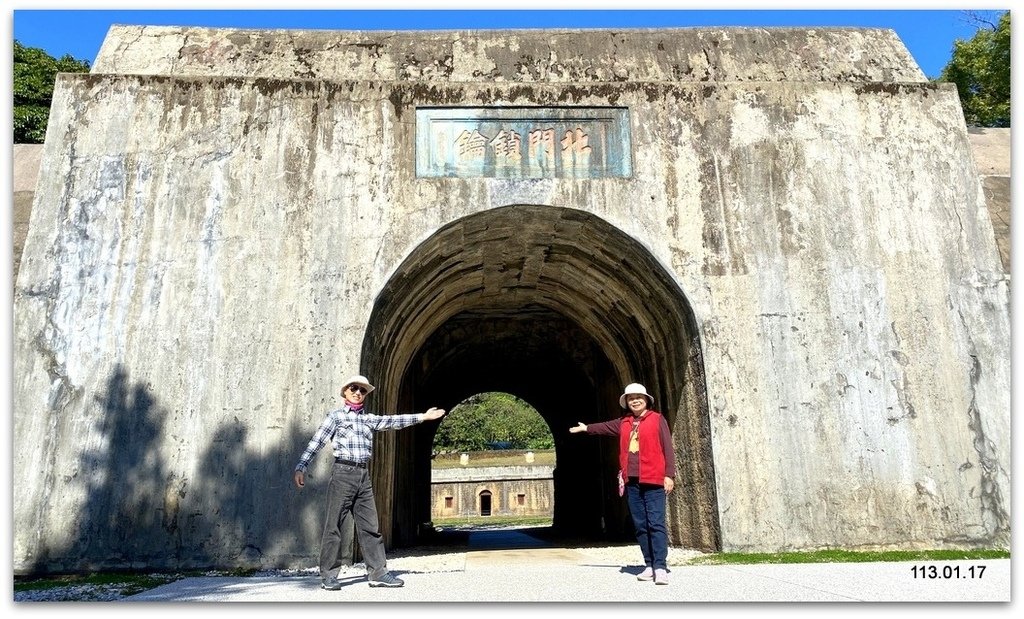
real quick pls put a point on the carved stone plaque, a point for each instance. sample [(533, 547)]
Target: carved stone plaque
[(523, 142)]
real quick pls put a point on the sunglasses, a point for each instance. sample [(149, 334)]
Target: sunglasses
[(357, 389)]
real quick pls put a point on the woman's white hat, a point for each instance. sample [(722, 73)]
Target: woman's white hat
[(637, 389), (358, 380)]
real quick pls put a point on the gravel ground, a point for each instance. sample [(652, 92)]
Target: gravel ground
[(414, 560)]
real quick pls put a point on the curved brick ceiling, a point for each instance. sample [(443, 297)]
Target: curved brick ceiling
[(554, 262)]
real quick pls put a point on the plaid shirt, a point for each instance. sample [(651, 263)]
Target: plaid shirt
[(351, 434)]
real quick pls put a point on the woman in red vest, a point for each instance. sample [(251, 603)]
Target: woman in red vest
[(647, 467)]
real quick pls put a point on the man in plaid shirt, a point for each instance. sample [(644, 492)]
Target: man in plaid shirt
[(350, 430)]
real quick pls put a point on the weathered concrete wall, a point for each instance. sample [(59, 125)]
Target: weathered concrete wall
[(26, 171), (203, 260), (991, 149), (525, 56)]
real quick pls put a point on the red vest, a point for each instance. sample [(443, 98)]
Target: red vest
[(652, 455)]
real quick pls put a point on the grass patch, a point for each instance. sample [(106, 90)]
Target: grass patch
[(127, 583), (847, 556), (494, 521), (501, 457)]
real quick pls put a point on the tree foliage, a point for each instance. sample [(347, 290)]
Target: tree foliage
[(34, 74), (487, 420), (980, 68)]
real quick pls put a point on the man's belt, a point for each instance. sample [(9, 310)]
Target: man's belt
[(361, 465)]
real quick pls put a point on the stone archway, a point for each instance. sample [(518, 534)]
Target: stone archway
[(560, 308)]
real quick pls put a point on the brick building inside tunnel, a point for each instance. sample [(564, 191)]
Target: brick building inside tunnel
[(781, 232)]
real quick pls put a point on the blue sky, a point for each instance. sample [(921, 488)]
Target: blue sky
[(928, 34)]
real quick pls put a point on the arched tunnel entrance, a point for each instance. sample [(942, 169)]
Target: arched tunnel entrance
[(561, 309)]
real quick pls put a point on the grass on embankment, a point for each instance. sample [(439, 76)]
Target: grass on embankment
[(501, 457), (128, 583), (493, 521), (847, 556)]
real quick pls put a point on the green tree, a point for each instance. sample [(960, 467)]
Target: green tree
[(464, 428), (34, 74), (514, 423), (980, 68), (488, 419)]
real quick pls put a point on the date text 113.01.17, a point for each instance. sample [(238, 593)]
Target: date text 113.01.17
[(947, 571)]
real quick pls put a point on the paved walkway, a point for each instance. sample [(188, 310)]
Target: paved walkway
[(515, 567), (539, 578)]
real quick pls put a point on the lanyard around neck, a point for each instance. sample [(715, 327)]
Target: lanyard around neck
[(634, 441)]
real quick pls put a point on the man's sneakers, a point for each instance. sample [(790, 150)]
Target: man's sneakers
[(647, 574), (660, 576), (387, 579), (331, 584)]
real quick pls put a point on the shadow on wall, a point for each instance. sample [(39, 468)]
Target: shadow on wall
[(140, 514)]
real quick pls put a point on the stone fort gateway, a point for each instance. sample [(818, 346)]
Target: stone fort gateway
[(780, 232)]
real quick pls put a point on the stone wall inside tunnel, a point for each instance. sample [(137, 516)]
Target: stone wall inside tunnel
[(799, 265)]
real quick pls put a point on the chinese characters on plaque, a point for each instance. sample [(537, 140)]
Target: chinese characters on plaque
[(523, 142)]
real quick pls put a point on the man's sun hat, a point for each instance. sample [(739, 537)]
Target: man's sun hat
[(358, 380), (635, 389)]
